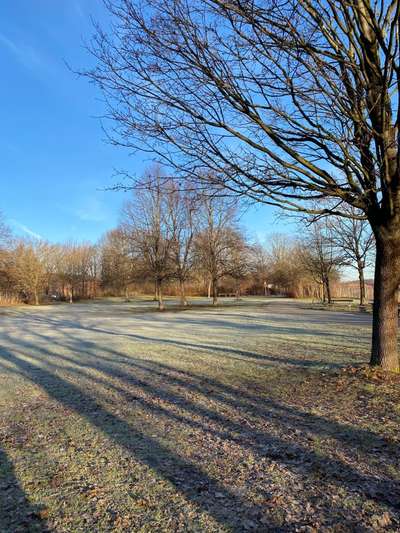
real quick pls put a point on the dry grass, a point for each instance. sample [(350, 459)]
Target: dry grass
[(239, 419)]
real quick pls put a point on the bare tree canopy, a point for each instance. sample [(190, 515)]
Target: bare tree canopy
[(285, 102), (146, 224), (355, 241)]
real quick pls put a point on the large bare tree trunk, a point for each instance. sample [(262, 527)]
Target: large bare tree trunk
[(385, 310), (209, 288)]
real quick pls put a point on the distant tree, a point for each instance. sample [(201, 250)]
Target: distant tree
[(354, 240), (260, 267), (77, 269), (5, 233), (217, 238), (117, 261), (239, 265), (5, 244), (145, 222), (320, 257), (283, 267), (181, 218), (27, 268)]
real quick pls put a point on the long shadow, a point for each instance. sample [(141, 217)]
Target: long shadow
[(187, 478), (250, 403), (384, 491), (199, 347), (17, 514), (222, 349)]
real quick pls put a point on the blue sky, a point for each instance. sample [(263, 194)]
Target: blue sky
[(54, 163)]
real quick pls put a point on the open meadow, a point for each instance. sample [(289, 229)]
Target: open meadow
[(238, 418)]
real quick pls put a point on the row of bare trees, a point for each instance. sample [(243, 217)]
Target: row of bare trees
[(293, 103), (32, 271), (177, 239), (169, 234), (166, 234)]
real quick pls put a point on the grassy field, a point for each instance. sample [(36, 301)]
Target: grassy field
[(243, 418)]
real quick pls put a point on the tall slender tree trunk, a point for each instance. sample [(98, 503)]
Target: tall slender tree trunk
[(161, 305), (209, 288), (36, 297), (215, 291), (182, 293), (237, 292), (328, 289), (385, 310), (325, 298), (156, 287), (361, 280)]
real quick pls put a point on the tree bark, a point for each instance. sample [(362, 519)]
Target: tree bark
[(361, 279), (385, 309), (215, 291), (161, 305), (156, 286), (36, 297), (182, 293), (209, 289), (328, 290), (237, 292)]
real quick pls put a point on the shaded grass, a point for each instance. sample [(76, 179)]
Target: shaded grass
[(184, 423)]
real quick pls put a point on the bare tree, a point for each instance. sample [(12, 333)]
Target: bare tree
[(181, 218), (118, 265), (5, 233), (260, 268), (285, 101), (5, 242), (283, 268), (240, 267), (145, 221), (216, 239), (320, 257), (76, 266), (27, 270), (355, 241)]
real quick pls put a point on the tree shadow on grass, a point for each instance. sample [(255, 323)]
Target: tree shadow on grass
[(177, 388), (187, 478), (188, 390), (17, 514), (227, 351)]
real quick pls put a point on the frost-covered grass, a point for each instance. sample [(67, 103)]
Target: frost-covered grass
[(238, 418)]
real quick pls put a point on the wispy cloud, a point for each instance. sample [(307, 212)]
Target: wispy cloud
[(25, 229), (26, 54)]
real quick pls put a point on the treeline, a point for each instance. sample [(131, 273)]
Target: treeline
[(183, 243)]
